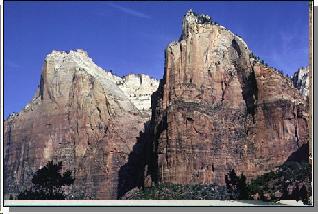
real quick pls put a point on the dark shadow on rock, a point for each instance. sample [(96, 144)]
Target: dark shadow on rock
[(132, 174), (141, 170), (301, 154)]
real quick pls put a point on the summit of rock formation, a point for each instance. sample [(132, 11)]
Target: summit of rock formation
[(219, 108), (301, 80), (80, 116), (192, 22)]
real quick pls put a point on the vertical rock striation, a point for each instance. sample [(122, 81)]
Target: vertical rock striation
[(218, 108), (78, 116)]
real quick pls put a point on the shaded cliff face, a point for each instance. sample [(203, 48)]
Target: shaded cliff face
[(78, 116), (218, 108)]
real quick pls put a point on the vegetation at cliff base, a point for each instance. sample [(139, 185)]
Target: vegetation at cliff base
[(236, 186), (291, 181), (168, 191), (47, 183)]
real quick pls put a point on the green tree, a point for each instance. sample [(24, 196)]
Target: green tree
[(242, 188), (236, 185), (47, 183)]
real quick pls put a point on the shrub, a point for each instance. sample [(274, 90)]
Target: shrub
[(291, 181)]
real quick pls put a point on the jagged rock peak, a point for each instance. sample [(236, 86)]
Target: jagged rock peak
[(301, 80), (80, 59), (78, 56), (192, 17), (56, 55), (194, 24), (191, 20), (136, 87)]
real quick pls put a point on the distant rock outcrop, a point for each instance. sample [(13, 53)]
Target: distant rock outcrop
[(218, 108), (78, 116), (139, 88), (301, 80)]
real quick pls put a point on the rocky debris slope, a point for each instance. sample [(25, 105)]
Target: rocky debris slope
[(78, 116), (301, 80), (218, 108)]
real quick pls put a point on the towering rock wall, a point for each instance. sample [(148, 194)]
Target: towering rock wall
[(301, 80), (78, 116), (218, 108)]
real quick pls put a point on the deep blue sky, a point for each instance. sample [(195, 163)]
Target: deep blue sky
[(130, 37)]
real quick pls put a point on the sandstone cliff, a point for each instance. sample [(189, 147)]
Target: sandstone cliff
[(218, 108), (78, 116)]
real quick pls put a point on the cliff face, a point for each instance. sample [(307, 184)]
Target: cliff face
[(218, 108), (78, 116)]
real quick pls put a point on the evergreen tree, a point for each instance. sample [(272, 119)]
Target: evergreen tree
[(47, 183), (242, 188), (236, 185)]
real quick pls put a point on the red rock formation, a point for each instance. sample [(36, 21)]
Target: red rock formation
[(78, 116), (218, 108)]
